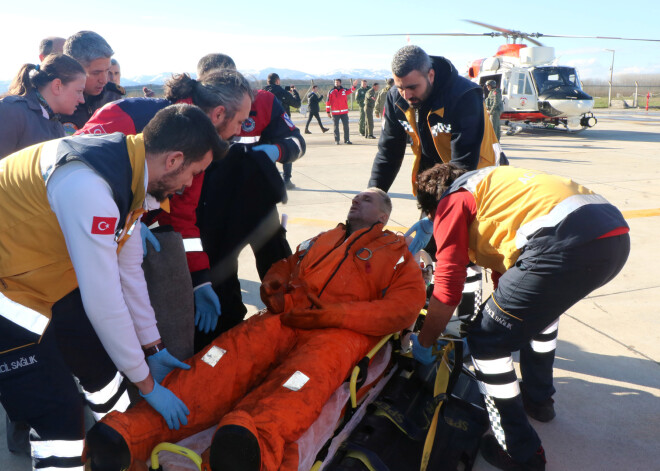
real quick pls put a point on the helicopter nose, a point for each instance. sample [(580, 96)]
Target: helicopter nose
[(568, 108)]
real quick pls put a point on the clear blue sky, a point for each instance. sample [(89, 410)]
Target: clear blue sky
[(151, 37)]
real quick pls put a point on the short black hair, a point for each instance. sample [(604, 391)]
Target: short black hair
[(185, 128), (273, 78), (214, 61), (410, 58), (46, 45)]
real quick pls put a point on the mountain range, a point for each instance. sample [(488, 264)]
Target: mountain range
[(262, 75), (255, 75)]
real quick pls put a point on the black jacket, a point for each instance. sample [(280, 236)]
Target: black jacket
[(287, 99), (85, 110), (461, 104), (314, 102)]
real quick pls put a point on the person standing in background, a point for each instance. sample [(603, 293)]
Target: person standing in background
[(314, 98), (369, 105)]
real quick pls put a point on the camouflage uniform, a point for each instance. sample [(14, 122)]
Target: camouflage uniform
[(368, 109), (380, 100), (359, 97), (494, 105)]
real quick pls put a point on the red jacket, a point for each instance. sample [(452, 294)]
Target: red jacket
[(337, 102)]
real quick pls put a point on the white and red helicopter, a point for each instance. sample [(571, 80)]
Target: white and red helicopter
[(536, 90)]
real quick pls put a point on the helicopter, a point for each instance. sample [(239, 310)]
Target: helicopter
[(536, 90)]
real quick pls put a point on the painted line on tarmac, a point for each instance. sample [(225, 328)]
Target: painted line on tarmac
[(641, 213), (632, 214), (330, 224)]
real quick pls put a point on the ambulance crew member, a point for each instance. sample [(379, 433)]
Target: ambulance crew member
[(441, 113), (225, 96), (553, 242), (67, 208)]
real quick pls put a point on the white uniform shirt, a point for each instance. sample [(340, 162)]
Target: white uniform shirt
[(113, 288)]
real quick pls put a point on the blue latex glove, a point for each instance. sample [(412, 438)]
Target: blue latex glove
[(146, 235), (423, 230), (424, 355), (161, 363), (271, 150), (207, 309), (173, 410)]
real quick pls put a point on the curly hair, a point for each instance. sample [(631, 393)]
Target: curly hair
[(432, 183)]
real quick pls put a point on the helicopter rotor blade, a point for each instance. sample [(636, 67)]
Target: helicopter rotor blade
[(537, 35), (496, 28), (493, 34), (527, 37)]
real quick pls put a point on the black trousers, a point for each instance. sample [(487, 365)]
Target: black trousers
[(529, 298), (313, 114), (41, 390), (344, 119)]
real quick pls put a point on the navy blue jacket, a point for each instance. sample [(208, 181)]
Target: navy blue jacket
[(462, 118)]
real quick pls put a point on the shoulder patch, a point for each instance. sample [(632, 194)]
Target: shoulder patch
[(69, 128), (288, 121), (248, 125)]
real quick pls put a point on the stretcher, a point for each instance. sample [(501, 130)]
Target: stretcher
[(341, 413), (324, 444)]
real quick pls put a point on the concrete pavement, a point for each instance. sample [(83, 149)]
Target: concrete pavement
[(607, 371)]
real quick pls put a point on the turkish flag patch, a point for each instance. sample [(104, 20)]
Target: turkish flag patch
[(101, 225)]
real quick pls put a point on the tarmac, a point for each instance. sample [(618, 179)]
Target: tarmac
[(607, 367)]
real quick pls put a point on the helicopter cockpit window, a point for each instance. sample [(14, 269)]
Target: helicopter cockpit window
[(549, 78), (521, 85), (528, 87)]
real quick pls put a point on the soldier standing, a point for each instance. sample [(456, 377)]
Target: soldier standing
[(382, 95), (494, 105), (369, 105), (359, 97)]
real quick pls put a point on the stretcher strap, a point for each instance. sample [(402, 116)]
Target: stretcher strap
[(354, 386), (445, 379), (179, 450)]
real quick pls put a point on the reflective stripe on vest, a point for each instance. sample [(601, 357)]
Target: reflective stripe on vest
[(23, 316), (192, 245), (555, 216), (248, 139)]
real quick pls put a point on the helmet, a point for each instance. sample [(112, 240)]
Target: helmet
[(492, 84)]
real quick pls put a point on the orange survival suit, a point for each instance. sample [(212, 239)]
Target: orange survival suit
[(277, 369)]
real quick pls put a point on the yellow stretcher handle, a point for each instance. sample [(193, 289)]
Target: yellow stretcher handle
[(356, 370), (179, 450)]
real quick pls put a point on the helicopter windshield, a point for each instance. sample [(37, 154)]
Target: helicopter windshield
[(549, 78)]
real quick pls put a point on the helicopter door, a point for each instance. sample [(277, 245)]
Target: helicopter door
[(522, 93)]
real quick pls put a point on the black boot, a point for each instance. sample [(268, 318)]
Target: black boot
[(307, 131), (235, 448), (325, 129), (495, 455), (106, 449)]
